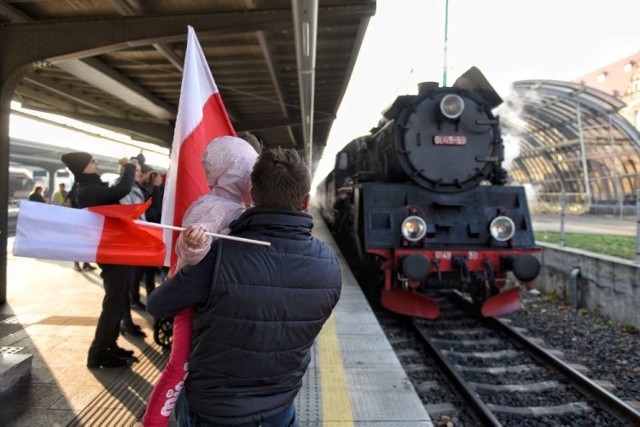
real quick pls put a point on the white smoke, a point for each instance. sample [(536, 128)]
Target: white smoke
[(511, 150), (532, 196)]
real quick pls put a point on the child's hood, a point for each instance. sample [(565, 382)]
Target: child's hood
[(228, 162)]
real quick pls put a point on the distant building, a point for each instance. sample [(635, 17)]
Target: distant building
[(620, 79)]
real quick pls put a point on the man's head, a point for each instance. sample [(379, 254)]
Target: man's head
[(147, 172), (62, 186), (281, 180), (38, 190), (80, 162)]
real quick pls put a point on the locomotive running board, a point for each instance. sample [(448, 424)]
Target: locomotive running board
[(410, 304), (504, 303)]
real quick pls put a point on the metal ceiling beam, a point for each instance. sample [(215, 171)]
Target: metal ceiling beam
[(161, 134), (51, 41), (93, 71), (32, 98), (133, 8), (272, 73), (96, 73), (74, 94), (274, 124), (305, 25), (12, 13), (171, 56)]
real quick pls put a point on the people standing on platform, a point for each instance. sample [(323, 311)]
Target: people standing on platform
[(227, 162), (259, 308), (135, 196), (71, 200), (60, 196), (89, 190), (152, 188), (36, 195)]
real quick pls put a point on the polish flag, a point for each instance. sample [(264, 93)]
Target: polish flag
[(102, 234), (201, 118)]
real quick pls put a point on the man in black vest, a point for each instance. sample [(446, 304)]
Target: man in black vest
[(259, 308), (89, 190)]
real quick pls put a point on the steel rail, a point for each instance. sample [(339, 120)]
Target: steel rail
[(611, 403), (485, 415)]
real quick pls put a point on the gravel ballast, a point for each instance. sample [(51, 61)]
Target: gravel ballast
[(609, 350)]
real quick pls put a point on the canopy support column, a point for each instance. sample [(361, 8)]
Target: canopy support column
[(583, 152)]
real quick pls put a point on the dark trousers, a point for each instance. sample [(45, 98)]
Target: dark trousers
[(114, 278), (138, 273), (186, 418), (126, 313)]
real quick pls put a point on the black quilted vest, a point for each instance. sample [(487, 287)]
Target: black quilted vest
[(265, 309)]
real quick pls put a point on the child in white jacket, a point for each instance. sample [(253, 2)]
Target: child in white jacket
[(227, 162)]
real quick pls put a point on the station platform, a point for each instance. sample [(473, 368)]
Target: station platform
[(354, 378)]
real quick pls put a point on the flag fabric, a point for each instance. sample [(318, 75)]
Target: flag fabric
[(201, 118), (103, 234)]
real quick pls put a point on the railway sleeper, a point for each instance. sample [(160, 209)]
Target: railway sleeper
[(407, 352), (542, 411), (439, 409), (489, 355), (485, 341), (427, 386), (500, 370), (524, 388)]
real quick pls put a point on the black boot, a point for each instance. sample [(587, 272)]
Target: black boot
[(120, 352), (106, 360), (132, 329)]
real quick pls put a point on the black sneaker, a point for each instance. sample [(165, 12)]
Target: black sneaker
[(106, 361)]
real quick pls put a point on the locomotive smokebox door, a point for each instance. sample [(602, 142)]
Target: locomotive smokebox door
[(445, 154)]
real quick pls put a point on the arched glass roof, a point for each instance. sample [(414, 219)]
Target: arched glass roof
[(572, 138)]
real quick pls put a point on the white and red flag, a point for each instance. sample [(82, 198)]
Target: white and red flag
[(201, 118), (103, 234)]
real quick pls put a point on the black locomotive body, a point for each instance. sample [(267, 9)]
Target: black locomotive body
[(424, 197)]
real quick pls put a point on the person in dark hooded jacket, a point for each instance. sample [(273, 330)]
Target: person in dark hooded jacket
[(89, 190), (259, 308)]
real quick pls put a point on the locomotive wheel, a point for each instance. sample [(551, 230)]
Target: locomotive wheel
[(163, 332)]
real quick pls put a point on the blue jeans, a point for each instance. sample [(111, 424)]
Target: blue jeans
[(186, 418)]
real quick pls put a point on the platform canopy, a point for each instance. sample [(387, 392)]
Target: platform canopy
[(572, 139), (118, 63), (282, 67)]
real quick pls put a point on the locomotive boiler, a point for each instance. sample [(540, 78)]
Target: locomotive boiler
[(423, 198)]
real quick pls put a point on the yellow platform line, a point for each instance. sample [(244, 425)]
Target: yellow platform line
[(336, 404)]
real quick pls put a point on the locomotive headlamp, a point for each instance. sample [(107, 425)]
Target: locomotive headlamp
[(413, 228), (452, 106), (502, 228)]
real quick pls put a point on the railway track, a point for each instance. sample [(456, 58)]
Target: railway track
[(500, 376)]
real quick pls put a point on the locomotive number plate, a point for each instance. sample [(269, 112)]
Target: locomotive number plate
[(450, 140)]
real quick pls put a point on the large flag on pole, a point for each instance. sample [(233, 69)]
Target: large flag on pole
[(201, 118)]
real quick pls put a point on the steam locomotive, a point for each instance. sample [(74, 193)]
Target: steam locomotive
[(423, 198)]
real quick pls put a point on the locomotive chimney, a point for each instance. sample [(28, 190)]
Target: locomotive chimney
[(427, 87)]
